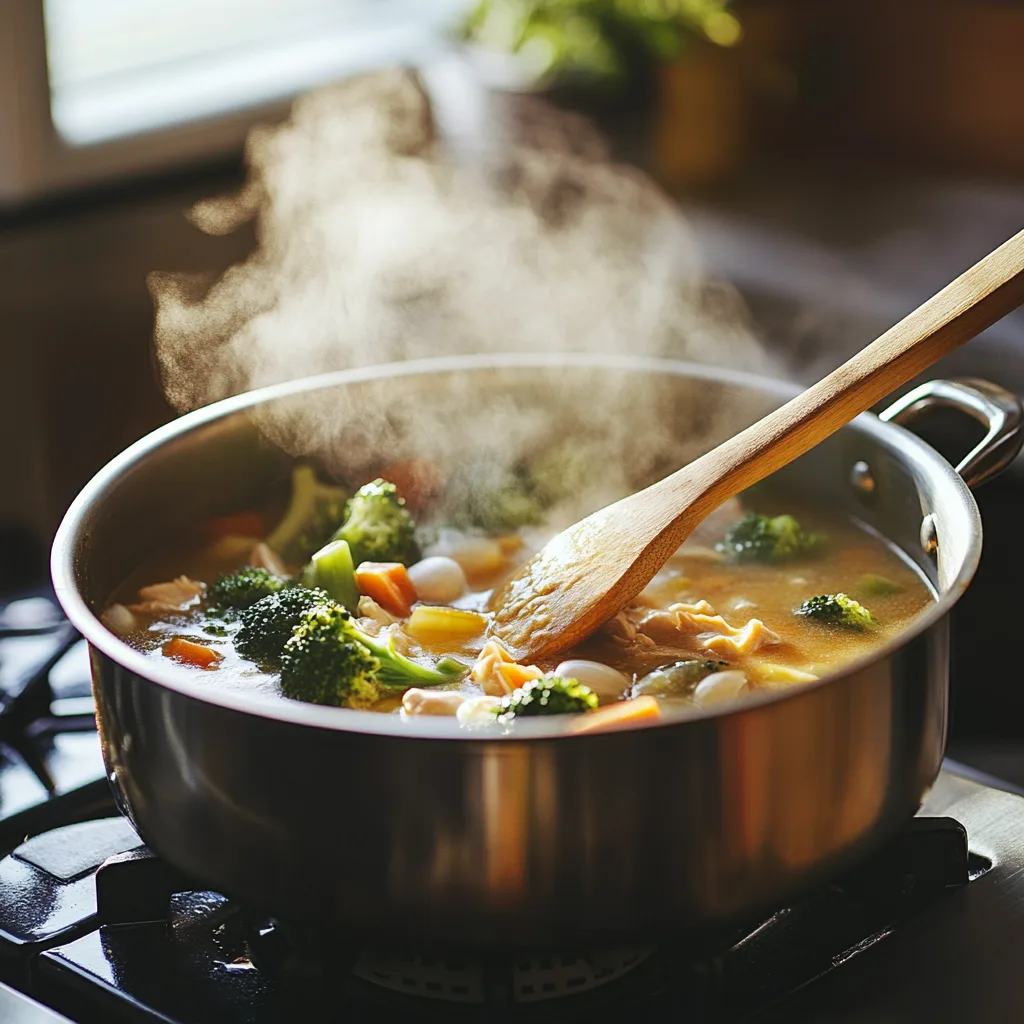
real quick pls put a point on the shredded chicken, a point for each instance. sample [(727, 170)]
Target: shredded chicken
[(741, 642), (174, 596), (710, 631), (394, 635), (621, 629), (497, 673), (379, 617)]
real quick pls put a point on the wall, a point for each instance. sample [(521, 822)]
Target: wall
[(77, 382)]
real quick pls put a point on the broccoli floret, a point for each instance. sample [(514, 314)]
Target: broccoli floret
[(481, 495), (758, 538), (679, 679), (561, 472), (549, 695), (378, 527), (504, 507), (391, 670), (242, 589), (267, 625), (320, 665), (837, 610), (313, 514)]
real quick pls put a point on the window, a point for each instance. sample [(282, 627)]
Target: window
[(95, 88)]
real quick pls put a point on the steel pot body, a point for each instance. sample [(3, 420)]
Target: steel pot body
[(420, 830)]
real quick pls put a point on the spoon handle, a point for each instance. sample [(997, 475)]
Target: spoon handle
[(964, 308)]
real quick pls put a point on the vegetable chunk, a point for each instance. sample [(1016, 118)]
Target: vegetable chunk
[(331, 569), (268, 624), (325, 633), (837, 610), (388, 584), (549, 695), (430, 624), (378, 527), (320, 665), (244, 588), (623, 715), (314, 511), (758, 538), (189, 653)]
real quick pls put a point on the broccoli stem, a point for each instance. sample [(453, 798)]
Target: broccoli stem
[(399, 672)]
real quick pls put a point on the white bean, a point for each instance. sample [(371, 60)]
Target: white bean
[(475, 711), (438, 579), (721, 686), (475, 555), (608, 683), (431, 702)]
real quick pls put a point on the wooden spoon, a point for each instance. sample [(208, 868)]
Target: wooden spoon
[(592, 570)]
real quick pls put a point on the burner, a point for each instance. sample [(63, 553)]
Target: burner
[(51, 769), (462, 979), (128, 938)]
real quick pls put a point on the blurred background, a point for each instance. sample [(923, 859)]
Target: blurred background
[(834, 162)]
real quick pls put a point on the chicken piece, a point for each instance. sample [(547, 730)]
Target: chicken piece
[(710, 631), (431, 702), (497, 674), (373, 618), (621, 629), (264, 557), (175, 596), (396, 636), (119, 620)]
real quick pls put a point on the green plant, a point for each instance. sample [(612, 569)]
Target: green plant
[(603, 40)]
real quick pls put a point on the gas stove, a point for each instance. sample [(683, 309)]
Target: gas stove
[(96, 928)]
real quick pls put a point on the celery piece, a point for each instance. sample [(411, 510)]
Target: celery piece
[(332, 570)]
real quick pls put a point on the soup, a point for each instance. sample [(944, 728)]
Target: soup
[(378, 600)]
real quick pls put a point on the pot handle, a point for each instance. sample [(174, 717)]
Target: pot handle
[(997, 409)]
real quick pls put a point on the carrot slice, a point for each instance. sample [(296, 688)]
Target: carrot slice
[(388, 584), (621, 715), (242, 524), (190, 653)]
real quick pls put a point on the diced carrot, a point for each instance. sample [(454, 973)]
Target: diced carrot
[(518, 675), (242, 524), (621, 715), (388, 584), (190, 653), (418, 481)]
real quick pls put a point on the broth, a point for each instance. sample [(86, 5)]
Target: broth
[(731, 624)]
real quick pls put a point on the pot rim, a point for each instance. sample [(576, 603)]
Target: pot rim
[(171, 677)]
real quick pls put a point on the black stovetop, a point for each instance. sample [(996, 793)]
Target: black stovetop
[(100, 930)]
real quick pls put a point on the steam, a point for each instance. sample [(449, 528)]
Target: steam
[(378, 242)]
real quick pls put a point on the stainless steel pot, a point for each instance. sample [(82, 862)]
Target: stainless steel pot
[(424, 831)]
